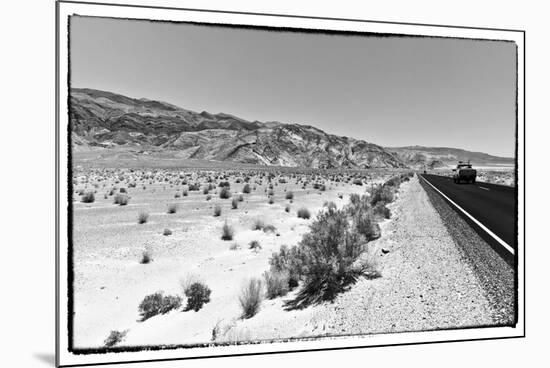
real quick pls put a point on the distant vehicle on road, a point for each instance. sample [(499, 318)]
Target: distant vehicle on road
[(464, 173)]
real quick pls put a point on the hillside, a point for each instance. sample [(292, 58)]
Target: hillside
[(438, 157), (109, 120)]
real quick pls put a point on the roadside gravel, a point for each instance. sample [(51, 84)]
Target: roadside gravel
[(494, 274), (426, 283)]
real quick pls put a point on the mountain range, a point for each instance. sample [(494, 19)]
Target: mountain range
[(109, 121)]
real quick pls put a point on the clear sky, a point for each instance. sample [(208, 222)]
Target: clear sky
[(391, 91)]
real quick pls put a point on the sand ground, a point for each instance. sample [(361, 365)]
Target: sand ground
[(110, 282)]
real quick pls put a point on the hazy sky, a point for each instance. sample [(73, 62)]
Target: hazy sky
[(391, 91)]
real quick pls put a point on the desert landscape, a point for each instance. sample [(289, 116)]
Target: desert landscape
[(195, 229)]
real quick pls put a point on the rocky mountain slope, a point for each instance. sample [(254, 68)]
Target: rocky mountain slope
[(436, 157), (109, 120)]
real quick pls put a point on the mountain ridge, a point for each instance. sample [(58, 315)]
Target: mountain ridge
[(110, 120)]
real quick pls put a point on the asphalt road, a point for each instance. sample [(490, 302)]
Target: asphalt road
[(492, 205)]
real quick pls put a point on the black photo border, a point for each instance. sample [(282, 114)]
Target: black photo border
[(59, 232)]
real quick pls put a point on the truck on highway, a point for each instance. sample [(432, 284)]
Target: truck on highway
[(464, 173)]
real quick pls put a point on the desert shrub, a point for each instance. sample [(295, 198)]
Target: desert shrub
[(340, 195), (177, 195), (240, 198), (288, 261), (172, 208), (143, 217), (205, 190), (217, 210), (251, 298), (225, 193), (167, 232), (208, 197), (287, 208), (158, 303), (304, 213), (365, 225), (381, 210), (88, 197), (185, 193), (234, 204), (322, 187), (381, 193), (121, 199), (327, 252), (357, 181), (258, 225), (197, 295), (146, 257), (246, 188), (254, 245), (271, 201), (227, 232), (289, 195), (269, 228), (195, 187), (122, 190), (224, 184), (114, 338), (234, 246), (276, 284), (271, 192)]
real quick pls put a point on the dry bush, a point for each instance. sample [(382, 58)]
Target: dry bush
[(197, 295), (327, 253), (381, 210), (121, 199), (172, 208), (234, 246), (258, 225), (158, 303), (217, 210), (227, 232), (276, 284), (381, 193), (208, 197), (289, 195), (88, 197), (251, 298), (114, 338), (143, 217), (234, 204), (177, 195), (304, 213), (269, 229), (287, 208), (225, 193), (254, 245), (146, 257), (288, 261), (271, 200), (246, 189), (167, 232)]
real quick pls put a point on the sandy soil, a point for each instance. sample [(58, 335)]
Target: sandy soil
[(108, 242), (426, 284)]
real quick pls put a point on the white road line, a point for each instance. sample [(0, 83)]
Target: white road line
[(484, 188), (501, 242)]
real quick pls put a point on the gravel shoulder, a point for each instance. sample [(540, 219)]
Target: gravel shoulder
[(495, 275), (426, 283)]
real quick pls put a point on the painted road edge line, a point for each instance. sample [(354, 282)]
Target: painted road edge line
[(499, 240)]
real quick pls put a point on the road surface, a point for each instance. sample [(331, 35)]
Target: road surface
[(494, 206)]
